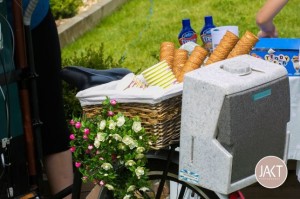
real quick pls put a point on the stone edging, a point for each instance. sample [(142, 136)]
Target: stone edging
[(83, 22)]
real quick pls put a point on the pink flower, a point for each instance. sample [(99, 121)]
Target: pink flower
[(84, 178), (101, 183), (113, 102), (90, 147), (101, 158), (72, 137), (87, 151), (85, 137), (86, 131), (72, 122), (72, 149), (78, 125), (77, 164), (97, 152), (110, 113)]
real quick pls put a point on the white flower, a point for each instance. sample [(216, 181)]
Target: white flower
[(136, 126), (140, 149), (102, 124), (117, 137), (130, 163), (121, 146), (131, 188), (101, 137), (109, 187), (120, 121), (139, 156), (144, 189), (133, 144), (112, 125), (96, 143), (127, 196), (127, 140), (106, 166), (139, 171)]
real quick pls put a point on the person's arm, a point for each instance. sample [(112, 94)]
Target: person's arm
[(265, 16)]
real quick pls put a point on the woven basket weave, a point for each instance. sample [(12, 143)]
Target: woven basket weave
[(161, 119)]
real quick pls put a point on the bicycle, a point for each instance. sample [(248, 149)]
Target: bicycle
[(162, 164)]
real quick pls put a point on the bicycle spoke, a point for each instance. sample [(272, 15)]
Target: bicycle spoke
[(182, 191)]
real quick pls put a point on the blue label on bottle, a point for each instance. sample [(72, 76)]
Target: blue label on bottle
[(206, 36), (187, 37), (206, 39)]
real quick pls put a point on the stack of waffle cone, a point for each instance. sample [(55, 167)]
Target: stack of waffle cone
[(225, 46), (180, 58), (167, 52), (244, 45), (195, 60)]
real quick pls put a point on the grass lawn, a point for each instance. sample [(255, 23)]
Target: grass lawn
[(139, 26)]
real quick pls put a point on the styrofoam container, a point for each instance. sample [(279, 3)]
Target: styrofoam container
[(234, 113)]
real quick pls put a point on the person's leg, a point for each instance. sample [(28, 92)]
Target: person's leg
[(54, 131), (59, 170)]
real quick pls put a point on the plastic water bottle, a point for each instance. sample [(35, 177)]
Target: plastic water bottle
[(205, 33), (187, 34)]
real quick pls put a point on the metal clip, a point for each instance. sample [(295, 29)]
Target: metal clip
[(5, 142)]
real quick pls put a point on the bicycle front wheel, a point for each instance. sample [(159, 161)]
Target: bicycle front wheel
[(173, 188)]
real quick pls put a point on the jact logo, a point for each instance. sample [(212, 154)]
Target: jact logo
[(187, 37), (271, 172)]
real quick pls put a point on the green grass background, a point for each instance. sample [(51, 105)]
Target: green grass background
[(137, 29)]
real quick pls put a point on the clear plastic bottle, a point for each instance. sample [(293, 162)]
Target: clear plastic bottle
[(187, 33), (205, 33)]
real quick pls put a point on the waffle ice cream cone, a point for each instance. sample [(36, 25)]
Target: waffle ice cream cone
[(180, 57), (167, 52), (244, 45), (195, 60), (225, 46), (198, 56)]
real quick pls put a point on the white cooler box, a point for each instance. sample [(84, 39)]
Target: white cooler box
[(234, 113)]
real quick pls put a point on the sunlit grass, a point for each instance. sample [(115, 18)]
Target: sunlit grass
[(139, 26)]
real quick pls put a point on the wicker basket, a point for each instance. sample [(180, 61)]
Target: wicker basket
[(161, 119)]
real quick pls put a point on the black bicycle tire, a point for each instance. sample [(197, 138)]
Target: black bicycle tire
[(156, 167)]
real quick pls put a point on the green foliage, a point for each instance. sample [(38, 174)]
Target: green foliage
[(90, 58), (65, 8), (109, 149), (71, 103)]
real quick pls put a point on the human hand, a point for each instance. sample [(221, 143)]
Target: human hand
[(263, 34)]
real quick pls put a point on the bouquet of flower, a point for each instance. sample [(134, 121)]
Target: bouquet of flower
[(109, 150)]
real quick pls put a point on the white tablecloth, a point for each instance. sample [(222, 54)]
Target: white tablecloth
[(294, 124)]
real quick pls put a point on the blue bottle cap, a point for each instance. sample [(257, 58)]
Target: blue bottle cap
[(208, 20), (186, 22)]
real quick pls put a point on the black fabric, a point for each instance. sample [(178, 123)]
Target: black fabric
[(55, 135), (83, 78)]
